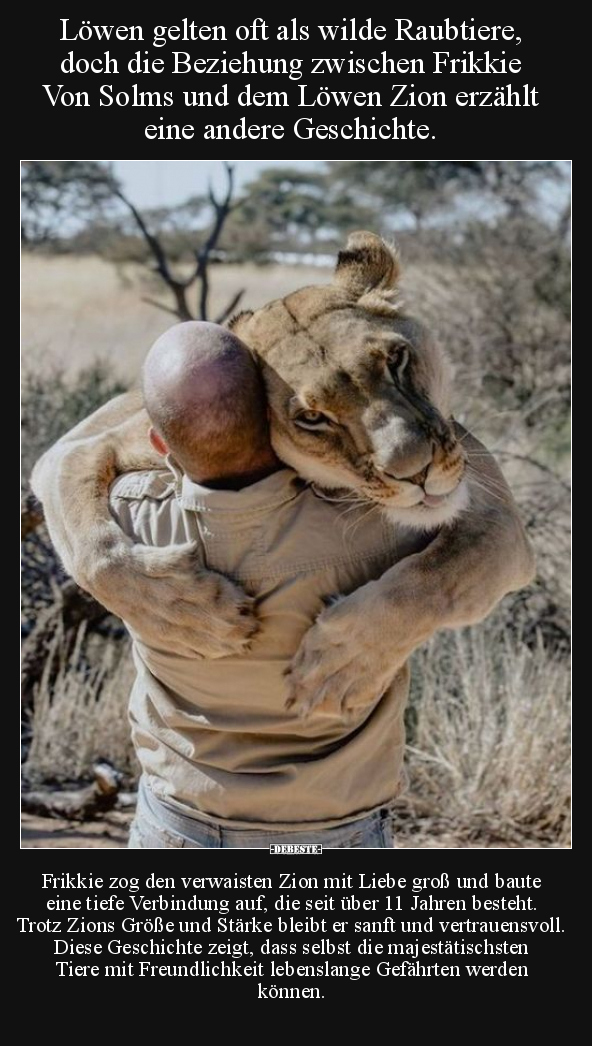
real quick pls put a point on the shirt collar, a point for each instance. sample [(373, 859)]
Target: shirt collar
[(276, 489)]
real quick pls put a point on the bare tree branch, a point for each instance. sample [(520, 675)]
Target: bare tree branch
[(159, 305), (221, 212), (81, 804), (178, 287), (232, 304), (222, 208)]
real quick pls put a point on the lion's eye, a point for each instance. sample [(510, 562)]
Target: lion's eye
[(311, 419), (398, 359)]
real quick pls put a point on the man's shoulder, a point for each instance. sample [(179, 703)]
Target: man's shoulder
[(153, 485), (147, 509)]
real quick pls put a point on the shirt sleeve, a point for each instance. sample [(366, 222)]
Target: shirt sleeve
[(150, 517)]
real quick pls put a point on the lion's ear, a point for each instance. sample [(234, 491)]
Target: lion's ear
[(238, 321), (367, 264)]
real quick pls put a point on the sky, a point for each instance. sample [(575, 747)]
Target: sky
[(154, 183)]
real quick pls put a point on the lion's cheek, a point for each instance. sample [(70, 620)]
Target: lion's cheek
[(324, 468)]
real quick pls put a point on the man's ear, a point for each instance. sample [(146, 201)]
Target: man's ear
[(157, 442)]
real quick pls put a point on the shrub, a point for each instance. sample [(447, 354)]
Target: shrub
[(489, 738), (80, 715)]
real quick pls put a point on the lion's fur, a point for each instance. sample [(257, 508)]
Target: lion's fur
[(389, 441), (326, 348)]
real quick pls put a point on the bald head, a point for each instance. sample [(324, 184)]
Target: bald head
[(206, 402)]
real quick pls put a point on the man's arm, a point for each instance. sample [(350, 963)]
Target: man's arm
[(163, 593), (353, 651)]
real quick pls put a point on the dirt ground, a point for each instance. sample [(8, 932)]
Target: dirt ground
[(43, 833), (111, 832)]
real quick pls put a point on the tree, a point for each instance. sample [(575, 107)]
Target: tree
[(180, 286), (515, 184), (421, 188), (52, 189), (83, 195), (293, 207), (413, 187)]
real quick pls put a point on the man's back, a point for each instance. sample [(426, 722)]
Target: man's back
[(214, 736)]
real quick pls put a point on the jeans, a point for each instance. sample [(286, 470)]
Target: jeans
[(157, 826)]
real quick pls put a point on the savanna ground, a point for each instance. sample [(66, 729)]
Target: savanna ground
[(488, 723)]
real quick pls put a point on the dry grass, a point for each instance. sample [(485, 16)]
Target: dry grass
[(80, 309), (490, 730), (77, 310), (80, 717)]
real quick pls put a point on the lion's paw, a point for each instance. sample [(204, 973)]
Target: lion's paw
[(341, 667), (171, 602)]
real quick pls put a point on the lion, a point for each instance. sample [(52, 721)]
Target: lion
[(359, 400)]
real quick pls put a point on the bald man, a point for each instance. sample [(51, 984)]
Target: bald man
[(224, 762), (207, 406)]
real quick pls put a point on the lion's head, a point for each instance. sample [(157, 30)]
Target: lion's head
[(359, 391)]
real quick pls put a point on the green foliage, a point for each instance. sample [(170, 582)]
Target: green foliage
[(73, 205), (515, 183), (421, 188), (400, 187), (489, 723), (53, 403), (54, 189), (292, 208)]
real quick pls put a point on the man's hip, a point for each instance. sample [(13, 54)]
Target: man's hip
[(158, 826)]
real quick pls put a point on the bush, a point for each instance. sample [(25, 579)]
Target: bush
[(80, 715), (497, 299), (80, 698), (489, 739), (51, 404)]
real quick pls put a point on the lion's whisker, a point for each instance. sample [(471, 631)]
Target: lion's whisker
[(488, 490)]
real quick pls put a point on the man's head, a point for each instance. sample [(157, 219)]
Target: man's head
[(206, 401)]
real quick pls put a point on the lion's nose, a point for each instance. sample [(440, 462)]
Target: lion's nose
[(419, 478), (402, 450)]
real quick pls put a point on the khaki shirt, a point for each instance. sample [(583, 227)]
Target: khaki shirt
[(213, 736)]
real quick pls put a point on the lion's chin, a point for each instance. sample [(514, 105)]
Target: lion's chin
[(430, 517)]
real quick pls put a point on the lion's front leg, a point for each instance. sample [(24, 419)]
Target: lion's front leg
[(164, 594), (172, 603), (354, 650)]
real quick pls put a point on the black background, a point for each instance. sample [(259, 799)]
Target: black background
[(545, 53)]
